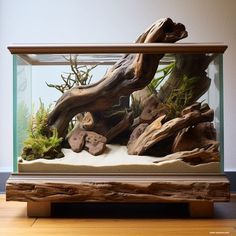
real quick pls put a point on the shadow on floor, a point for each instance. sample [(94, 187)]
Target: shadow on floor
[(120, 210), (225, 210)]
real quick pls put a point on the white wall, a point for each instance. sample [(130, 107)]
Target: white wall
[(104, 21)]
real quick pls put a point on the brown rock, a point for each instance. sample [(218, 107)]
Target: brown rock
[(77, 140), (95, 143), (90, 141)]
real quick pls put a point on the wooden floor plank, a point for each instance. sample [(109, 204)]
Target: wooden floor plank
[(12, 209), (13, 214), (132, 223), (118, 231), (13, 221)]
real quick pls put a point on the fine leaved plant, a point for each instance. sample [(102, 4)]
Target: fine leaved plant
[(79, 75), (42, 141)]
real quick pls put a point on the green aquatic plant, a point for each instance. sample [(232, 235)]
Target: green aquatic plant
[(156, 81), (79, 75), (136, 106), (42, 141), (152, 88), (180, 97)]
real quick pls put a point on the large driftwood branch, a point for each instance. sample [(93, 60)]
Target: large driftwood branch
[(109, 123), (189, 66), (156, 131), (132, 72)]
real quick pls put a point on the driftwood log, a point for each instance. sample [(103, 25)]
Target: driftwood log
[(193, 157), (169, 117), (193, 66), (202, 135), (151, 110), (188, 80), (113, 188), (131, 73), (156, 131), (108, 123)]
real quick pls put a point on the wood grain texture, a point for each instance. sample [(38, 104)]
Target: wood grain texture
[(38, 209), (201, 209), (157, 131), (116, 48), (13, 222), (108, 231), (117, 188), (132, 72)]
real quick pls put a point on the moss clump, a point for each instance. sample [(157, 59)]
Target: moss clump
[(42, 141)]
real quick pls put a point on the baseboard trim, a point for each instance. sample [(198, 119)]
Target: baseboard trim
[(230, 175), (3, 178)]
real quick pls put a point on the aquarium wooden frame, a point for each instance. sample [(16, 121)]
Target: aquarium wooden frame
[(40, 190), (28, 51), (118, 48)]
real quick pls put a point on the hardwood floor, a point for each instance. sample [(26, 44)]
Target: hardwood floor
[(90, 219)]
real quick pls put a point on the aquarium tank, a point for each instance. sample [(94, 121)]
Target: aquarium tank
[(153, 106)]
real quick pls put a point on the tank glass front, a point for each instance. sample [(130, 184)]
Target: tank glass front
[(106, 113)]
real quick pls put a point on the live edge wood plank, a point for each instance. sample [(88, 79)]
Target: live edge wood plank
[(117, 188)]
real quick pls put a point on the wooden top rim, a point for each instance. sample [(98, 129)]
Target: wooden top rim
[(117, 48)]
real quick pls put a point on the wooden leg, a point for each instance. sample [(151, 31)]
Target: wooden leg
[(39, 209), (201, 209)]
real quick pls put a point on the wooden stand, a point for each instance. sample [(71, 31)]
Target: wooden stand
[(39, 209), (201, 208), (40, 190)]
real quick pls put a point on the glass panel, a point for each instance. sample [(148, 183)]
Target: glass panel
[(22, 104), (59, 59), (169, 140)]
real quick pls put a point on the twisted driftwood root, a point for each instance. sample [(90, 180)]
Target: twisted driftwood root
[(107, 125), (131, 73), (156, 131), (191, 66)]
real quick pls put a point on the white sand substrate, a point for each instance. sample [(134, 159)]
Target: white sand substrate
[(114, 160)]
